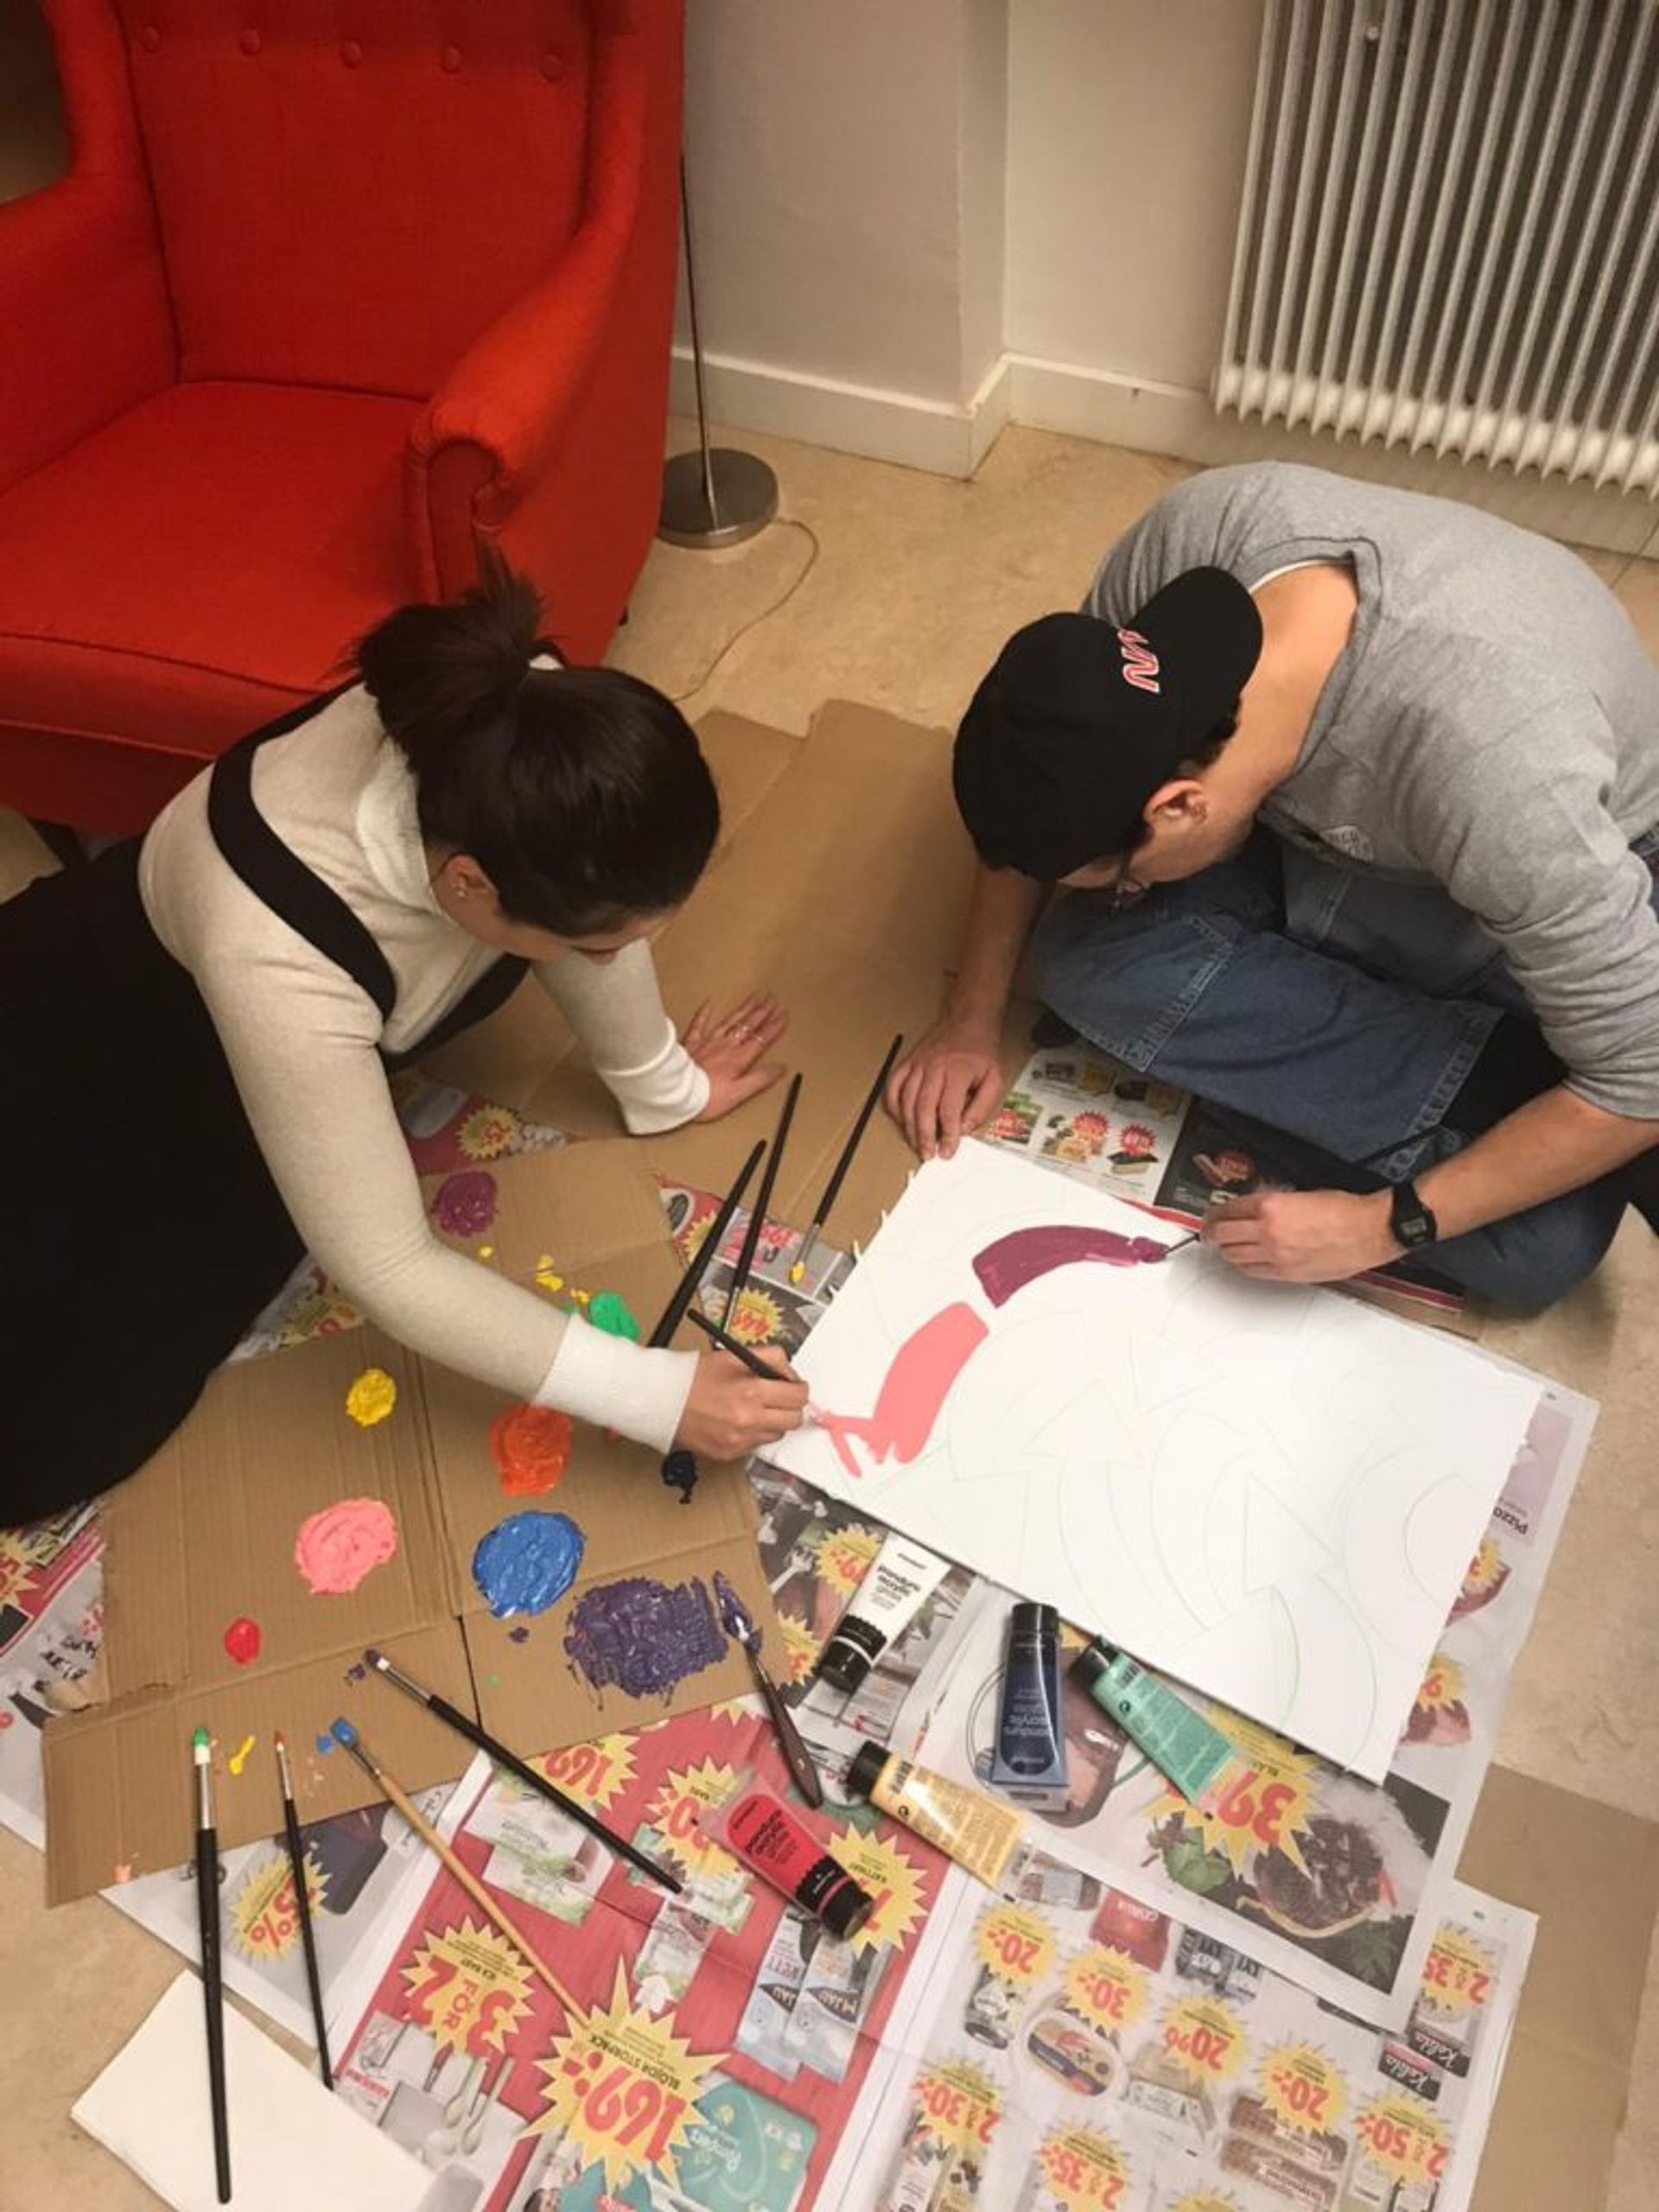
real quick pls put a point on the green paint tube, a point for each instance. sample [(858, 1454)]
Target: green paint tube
[(1181, 1744)]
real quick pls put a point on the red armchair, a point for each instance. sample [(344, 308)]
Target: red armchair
[(330, 293)]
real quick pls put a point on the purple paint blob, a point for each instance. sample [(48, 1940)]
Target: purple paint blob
[(527, 1562), (464, 1205), (644, 1637), (519, 1635), (1015, 1260), (358, 1673)]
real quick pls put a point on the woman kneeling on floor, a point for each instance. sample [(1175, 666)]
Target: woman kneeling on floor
[(199, 1027)]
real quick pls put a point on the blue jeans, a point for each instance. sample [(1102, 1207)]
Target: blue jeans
[(1202, 984)]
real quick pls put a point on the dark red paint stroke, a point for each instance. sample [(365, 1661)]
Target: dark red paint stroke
[(923, 1370), (1015, 1260)]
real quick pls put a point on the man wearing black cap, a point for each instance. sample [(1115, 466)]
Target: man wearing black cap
[(1355, 798)]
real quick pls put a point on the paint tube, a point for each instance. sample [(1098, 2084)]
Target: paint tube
[(1181, 1744), (899, 1579), (966, 1825), (769, 1838), (1028, 1761)]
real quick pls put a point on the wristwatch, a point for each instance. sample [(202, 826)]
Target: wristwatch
[(1412, 1220)]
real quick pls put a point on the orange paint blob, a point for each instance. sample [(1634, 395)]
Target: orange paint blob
[(532, 1447)]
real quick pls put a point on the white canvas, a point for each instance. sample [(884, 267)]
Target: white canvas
[(293, 2147), (1270, 1492)]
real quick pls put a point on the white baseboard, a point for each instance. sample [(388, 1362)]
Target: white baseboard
[(896, 425), (952, 440)]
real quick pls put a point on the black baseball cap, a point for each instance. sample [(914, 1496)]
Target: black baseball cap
[(1078, 723)]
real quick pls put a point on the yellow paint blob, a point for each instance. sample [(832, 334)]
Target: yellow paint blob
[(239, 1756), (371, 1397), (547, 1280), (486, 1251), (798, 1273)]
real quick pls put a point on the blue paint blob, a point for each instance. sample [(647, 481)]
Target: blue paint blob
[(527, 1562), (325, 1744), (643, 1635)]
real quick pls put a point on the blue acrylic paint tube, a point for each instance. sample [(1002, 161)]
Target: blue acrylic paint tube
[(1029, 1761)]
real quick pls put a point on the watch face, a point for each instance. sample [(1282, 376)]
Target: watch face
[(1411, 1221)]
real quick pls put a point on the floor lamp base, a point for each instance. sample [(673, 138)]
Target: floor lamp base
[(745, 498)]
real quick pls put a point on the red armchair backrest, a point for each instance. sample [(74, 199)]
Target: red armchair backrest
[(349, 191)]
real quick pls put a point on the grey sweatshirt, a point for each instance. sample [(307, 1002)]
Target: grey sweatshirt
[(1480, 761)]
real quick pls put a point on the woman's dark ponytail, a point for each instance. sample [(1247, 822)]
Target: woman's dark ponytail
[(436, 672), (580, 791)]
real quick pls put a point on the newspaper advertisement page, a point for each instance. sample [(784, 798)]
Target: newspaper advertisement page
[(51, 1625), (1086, 2053), (717, 2043), (1334, 1881)]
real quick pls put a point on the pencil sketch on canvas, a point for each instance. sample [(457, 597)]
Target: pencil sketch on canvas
[(1269, 1492)]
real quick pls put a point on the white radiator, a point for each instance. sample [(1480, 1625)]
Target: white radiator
[(1450, 231)]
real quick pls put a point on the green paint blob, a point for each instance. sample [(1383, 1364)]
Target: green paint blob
[(606, 1311)]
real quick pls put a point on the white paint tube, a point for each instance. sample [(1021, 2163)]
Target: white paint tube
[(900, 1580)]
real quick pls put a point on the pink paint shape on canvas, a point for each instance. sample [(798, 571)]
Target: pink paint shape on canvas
[(337, 1547), (1018, 1258), (924, 1367)]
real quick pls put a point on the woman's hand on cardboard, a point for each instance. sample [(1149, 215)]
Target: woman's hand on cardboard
[(732, 1050), (948, 1086), (731, 1412)]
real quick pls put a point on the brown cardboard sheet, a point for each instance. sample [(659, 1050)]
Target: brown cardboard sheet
[(525, 1056), (206, 1533), (1591, 1873), (842, 888)]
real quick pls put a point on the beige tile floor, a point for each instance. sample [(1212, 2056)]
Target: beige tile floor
[(896, 589)]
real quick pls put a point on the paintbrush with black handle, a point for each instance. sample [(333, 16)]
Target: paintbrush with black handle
[(741, 1626), (674, 1313), (464, 1724), (302, 1909), (763, 1201)]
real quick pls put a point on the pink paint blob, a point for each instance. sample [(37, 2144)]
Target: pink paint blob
[(465, 1204), (337, 1547), (1015, 1260), (923, 1370), (243, 1639)]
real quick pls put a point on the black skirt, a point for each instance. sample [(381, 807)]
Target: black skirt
[(140, 1229)]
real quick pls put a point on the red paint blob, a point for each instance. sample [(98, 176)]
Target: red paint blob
[(242, 1640)]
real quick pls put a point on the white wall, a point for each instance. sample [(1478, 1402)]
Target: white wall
[(1127, 126), (847, 167), (806, 127), (917, 219), (982, 187)]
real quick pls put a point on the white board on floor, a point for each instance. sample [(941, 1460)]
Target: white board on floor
[(1270, 1491), (295, 2147)]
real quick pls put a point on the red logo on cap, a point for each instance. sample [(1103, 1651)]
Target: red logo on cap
[(1140, 662)]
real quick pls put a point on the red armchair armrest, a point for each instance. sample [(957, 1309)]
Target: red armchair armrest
[(80, 267), (494, 430)]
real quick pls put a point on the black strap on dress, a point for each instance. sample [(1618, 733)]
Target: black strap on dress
[(276, 875)]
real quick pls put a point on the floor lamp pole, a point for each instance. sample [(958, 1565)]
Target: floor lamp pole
[(716, 495)]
